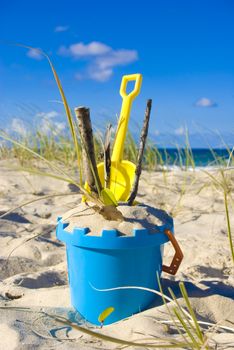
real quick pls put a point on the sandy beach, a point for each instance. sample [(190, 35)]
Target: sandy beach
[(33, 273)]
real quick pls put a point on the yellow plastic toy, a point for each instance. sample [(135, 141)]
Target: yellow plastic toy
[(122, 171)]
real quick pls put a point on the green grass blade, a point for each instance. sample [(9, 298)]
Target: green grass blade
[(46, 174), (168, 309), (33, 201), (228, 225), (189, 306), (186, 316), (63, 320), (213, 178), (196, 345)]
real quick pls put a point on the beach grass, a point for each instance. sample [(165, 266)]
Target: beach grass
[(58, 152)]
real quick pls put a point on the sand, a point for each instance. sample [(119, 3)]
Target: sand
[(33, 277), (141, 216)]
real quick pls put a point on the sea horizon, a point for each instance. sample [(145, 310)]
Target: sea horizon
[(199, 157)]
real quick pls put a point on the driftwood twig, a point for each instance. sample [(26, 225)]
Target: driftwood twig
[(86, 133), (144, 133), (107, 156)]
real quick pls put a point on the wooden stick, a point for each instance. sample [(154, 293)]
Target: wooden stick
[(107, 156), (144, 133), (86, 133)]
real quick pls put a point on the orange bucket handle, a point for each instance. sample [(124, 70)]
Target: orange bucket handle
[(178, 256)]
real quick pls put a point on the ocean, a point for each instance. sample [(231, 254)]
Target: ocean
[(202, 157)]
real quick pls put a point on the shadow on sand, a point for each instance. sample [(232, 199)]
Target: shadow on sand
[(14, 217), (214, 287)]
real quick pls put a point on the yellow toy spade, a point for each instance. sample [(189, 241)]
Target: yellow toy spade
[(122, 171)]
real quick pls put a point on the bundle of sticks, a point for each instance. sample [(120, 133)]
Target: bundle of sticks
[(88, 152)]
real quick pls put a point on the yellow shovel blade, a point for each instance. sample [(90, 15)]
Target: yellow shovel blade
[(121, 178), (107, 196), (121, 181)]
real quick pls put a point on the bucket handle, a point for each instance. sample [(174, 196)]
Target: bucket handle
[(178, 257)]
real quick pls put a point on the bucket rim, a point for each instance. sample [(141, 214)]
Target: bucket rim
[(110, 238)]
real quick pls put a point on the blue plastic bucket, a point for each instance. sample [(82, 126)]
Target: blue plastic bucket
[(109, 261)]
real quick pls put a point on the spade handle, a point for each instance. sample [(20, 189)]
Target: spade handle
[(128, 98)]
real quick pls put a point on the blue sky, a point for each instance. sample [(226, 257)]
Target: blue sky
[(184, 49)]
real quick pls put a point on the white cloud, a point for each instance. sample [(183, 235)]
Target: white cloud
[(48, 115), (18, 126), (44, 126), (59, 127), (44, 123), (180, 131), (47, 125), (102, 59), (35, 54), (101, 68), (78, 50), (60, 29), (117, 58), (205, 102), (95, 73)]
